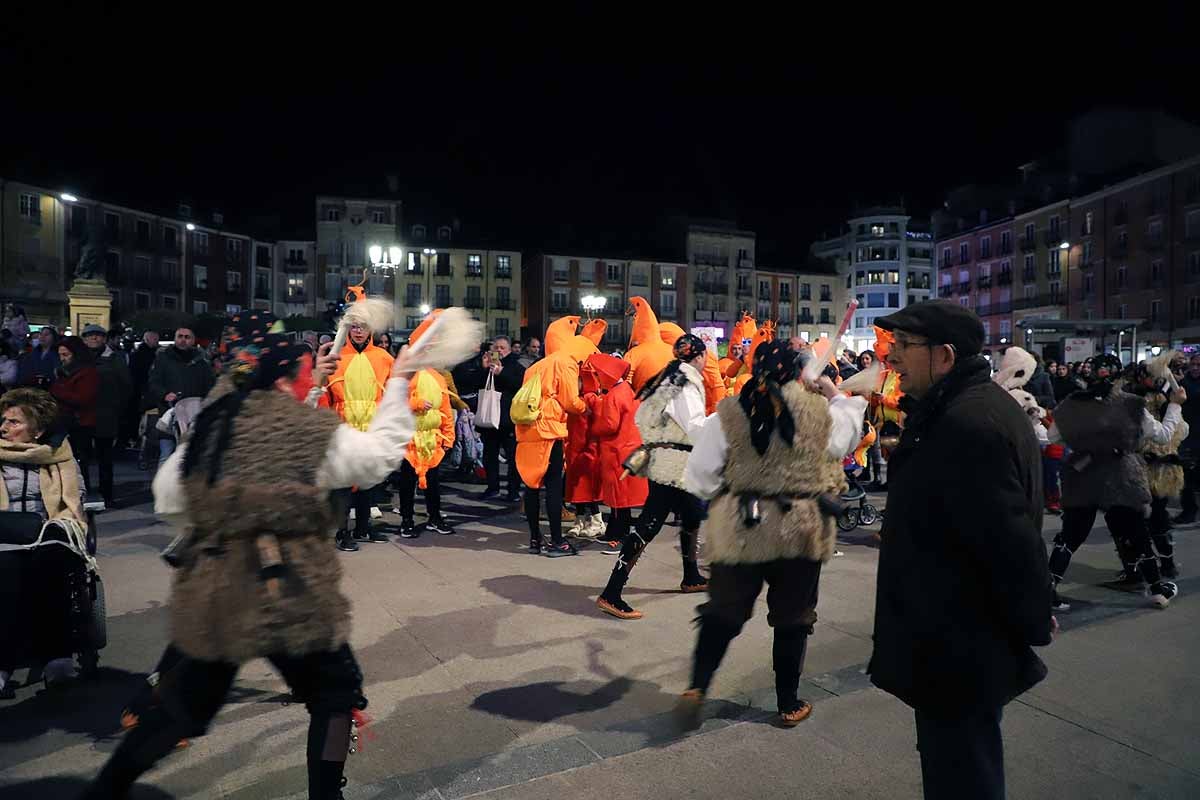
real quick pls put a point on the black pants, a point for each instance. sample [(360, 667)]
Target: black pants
[(618, 525), (493, 442), (191, 692), (962, 756), (408, 489), (1128, 527), (791, 611), (361, 501), (661, 502), (89, 447), (1191, 482), (35, 595), (553, 484), (1160, 532)]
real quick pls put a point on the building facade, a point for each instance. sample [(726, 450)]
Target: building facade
[(33, 272), (808, 305), (557, 283), (888, 259), (721, 261)]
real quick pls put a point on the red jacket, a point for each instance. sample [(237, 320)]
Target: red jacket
[(581, 455), (76, 395), (614, 429)]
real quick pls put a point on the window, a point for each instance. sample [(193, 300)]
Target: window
[(232, 308), (640, 276), (1089, 284), (893, 299), (1005, 328), (444, 233), (141, 301), (875, 300), (1192, 225), (333, 214), (1088, 222), (1122, 277), (418, 232), (141, 269), (501, 325), (170, 272), (1005, 242), (1194, 263), (893, 253), (826, 293), (379, 216), (31, 208), (1030, 292), (503, 297), (893, 276), (1088, 252), (1194, 308), (412, 295), (806, 289), (1055, 228), (169, 302), (441, 296), (666, 277), (201, 277), (985, 247), (474, 264), (743, 284), (1030, 230), (859, 276), (199, 243), (233, 281), (965, 301), (143, 234), (414, 262), (562, 273), (171, 238), (295, 288), (825, 319), (1030, 272), (295, 255), (199, 307), (666, 303), (1055, 293), (1123, 311), (614, 273), (1154, 232), (1155, 311), (876, 229), (1055, 267), (559, 299), (875, 276), (1156, 270), (785, 292), (764, 291), (262, 283), (443, 266), (503, 266), (262, 256), (233, 248)]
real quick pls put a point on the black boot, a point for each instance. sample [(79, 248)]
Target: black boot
[(693, 579), (713, 641), (787, 655), (345, 541), (329, 741)]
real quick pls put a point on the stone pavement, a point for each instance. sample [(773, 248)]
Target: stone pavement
[(490, 673)]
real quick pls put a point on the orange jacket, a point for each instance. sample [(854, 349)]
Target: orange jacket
[(649, 354), (559, 374), (355, 395)]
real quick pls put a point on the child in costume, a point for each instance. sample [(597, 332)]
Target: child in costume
[(613, 410), (582, 455)]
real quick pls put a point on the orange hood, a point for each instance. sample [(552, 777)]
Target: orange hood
[(883, 343), (560, 332), (670, 332), (594, 331), (645, 322), (609, 369), (744, 328)]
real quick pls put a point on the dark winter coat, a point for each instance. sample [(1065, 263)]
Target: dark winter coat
[(507, 382), (1063, 386), (469, 377), (1041, 388), (77, 391), (1190, 448), (37, 363), (963, 588), (141, 361), (115, 389), (1104, 468), (172, 372)]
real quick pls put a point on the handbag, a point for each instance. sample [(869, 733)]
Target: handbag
[(488, 415)]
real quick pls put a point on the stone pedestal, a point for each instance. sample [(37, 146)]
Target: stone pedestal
[(90, 303)]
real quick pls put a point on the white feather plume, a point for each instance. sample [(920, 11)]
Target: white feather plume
[(862, 383), (1160, 365), (451, 339), (373, 313)]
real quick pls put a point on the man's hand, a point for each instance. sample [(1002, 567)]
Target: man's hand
[(326, 364), (400, 365), (171, 397), (1179, 396)]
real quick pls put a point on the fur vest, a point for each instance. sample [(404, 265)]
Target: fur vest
[(790, 527), (656, 425), (264, 509), (1164, 472), (1105, 468)]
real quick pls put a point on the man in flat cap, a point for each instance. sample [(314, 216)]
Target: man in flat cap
[(963, 587)]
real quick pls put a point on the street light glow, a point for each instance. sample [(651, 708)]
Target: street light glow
[(592, 302), (69, 198), (376, 253), (1065, 246), (1155, 351), (394, 252), (425, 308), (191, 227)]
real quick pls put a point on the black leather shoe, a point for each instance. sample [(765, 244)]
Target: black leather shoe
[(346, 543)]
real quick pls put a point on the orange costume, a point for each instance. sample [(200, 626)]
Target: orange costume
[(435, 427), (765, 333), (714, 384), (356, 387), (648, 354), (885, 403), (558, 373), (581, 451)]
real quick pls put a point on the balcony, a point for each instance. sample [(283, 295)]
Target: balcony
[(989, 309), (984, 282), (826, 297), (1155, 244), (807, 319), (711, 261), (473, 302), (1028, 244), (1121, 217), (964, 287), (946, 261), (1005, 249), (806, 296), (296, 296), (1120, 248), (502, 303), (295, 265), (474, 271), (144, 244), (262, 292), (506, 275), (825, 320), (765, 296), (1029, 275), (443, 272), (945, 291), (1052, 237), (414, 270), (1192, 235), (1038, 301), (745, 291)]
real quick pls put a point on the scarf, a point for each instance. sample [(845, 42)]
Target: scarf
[(761, 398), (920, 411), (57, 473)]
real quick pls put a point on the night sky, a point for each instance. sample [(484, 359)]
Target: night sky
[(586, 144)]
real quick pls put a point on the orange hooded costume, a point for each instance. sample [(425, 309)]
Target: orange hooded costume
[(648, 354), (558, 374), (356, 387), (435, 427), (765, 333), (714, 384), (581, 451), (885, 405)]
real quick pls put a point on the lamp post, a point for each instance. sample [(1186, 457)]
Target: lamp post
[(384, 262), (593, 304)]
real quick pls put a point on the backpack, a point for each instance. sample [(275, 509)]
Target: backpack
[(527, 402)]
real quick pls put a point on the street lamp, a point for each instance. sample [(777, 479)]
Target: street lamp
[(425, 308), (191, 227), (1156, 351), (1065, 246), (384, 261), (67, 197), (593, 304)]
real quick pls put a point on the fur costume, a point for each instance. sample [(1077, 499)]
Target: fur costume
[(1164, 472), (1016, 368), (656, 425), (221, 609), (800, 531), (1105, 468), (714, 384)]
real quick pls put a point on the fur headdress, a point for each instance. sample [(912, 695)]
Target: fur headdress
[(1016, 368)]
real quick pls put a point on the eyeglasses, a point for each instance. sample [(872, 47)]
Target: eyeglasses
[(904, 344)]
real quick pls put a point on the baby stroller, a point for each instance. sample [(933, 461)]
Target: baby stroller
[(22, 533), (864, 513)]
